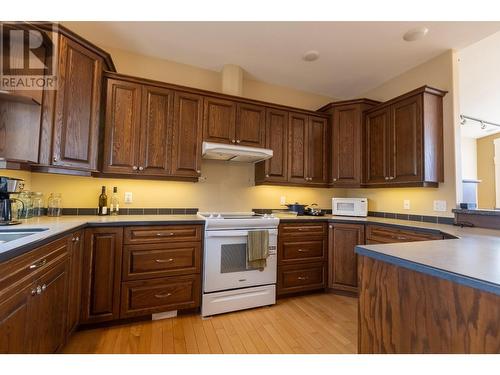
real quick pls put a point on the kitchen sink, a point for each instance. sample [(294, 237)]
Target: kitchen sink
[(7, 235)]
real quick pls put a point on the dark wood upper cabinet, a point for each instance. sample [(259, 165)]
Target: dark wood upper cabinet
[(343, 238), (377, 129), (219, 120), (346, 136), (122, 127), (186, 135), (250, 125), (275, 169), (404, 140), (77, 105), (101, 274), (298, 136), (156, 131), (318, 150)]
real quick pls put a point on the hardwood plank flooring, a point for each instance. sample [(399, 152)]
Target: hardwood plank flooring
[(316, 323)]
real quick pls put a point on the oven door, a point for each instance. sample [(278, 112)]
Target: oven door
[(225, 261)]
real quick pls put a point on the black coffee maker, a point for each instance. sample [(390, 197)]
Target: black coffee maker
[(8, 186)]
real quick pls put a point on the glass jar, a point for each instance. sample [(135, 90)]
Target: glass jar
[(54, 205), (38, 204), (25, 210)]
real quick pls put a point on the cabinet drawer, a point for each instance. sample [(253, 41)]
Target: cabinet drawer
[(302, 229), (301, 277), (31, 263), (158, 295), (158, 234), (301, 251), (383, 234), (157, 260)]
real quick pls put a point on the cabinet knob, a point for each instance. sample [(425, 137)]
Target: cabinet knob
[(44, 287), (77, 239), (38, 290), (141, 168), (391, 178), (334, 179), (386, 178), (198, 171), (55, 159), (134, 167), (233, 140), (267, 176), (330, 226), (238, 141)]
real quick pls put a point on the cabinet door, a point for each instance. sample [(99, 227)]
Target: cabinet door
[(101, 274), (275, 169), (317, 150), (343, 260), (156, 131), (406, 140), (15, 327), (346, 146), (76, 123), (122, 127), (377, 128), (186, 135), (297, 147), (219, 120), (50, 310), (250, 125), (75, 279)]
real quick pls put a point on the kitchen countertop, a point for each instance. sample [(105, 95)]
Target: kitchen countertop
[(58, 226), (472, 258)]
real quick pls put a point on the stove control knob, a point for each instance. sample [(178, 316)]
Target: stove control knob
[(219, 216), (211, 216)]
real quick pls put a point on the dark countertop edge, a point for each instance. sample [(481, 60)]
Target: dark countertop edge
[(476, 212), (143, 223), (23, 249), (442, 274), (402, 225)]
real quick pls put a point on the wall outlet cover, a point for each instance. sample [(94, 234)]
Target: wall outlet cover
[(406, 204), (282, 200), (128, 197), (440, 206)]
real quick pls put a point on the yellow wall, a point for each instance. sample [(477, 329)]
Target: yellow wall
[(486, 171), (438, 72)]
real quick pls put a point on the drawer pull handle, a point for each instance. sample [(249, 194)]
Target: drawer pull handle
[(302, 250), (164, 260), (39, 264), (401, 238), (165, 295), (164, 234), (302, 278)]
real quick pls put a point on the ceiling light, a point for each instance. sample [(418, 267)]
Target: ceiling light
[(310, 55), (415, 34)]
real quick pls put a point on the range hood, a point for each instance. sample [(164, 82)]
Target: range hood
[(244, 154)]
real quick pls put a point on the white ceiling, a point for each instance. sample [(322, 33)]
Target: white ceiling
[(354, 56), (479, 86)]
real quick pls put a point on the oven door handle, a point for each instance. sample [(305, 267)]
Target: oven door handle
[(235, 233)]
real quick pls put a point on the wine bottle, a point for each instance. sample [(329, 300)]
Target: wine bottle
[(114, 207), (103, 203)]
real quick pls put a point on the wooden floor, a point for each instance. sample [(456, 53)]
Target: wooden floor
[(318, 323)]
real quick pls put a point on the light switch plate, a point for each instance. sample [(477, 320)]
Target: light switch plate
[(128, 197), (282, 200), (440, 206), (406, 204)]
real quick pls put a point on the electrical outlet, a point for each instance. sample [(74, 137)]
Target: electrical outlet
[(440, 206), (128, 197), (282, 200), (406, 204)]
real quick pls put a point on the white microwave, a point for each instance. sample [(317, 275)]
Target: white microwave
[(350, 206)]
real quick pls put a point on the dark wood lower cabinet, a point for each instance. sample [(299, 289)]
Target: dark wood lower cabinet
[(75, 260), (301, 278), (102, 274), (343, 272)]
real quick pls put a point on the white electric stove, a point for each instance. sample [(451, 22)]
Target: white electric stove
[(229, 283)]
